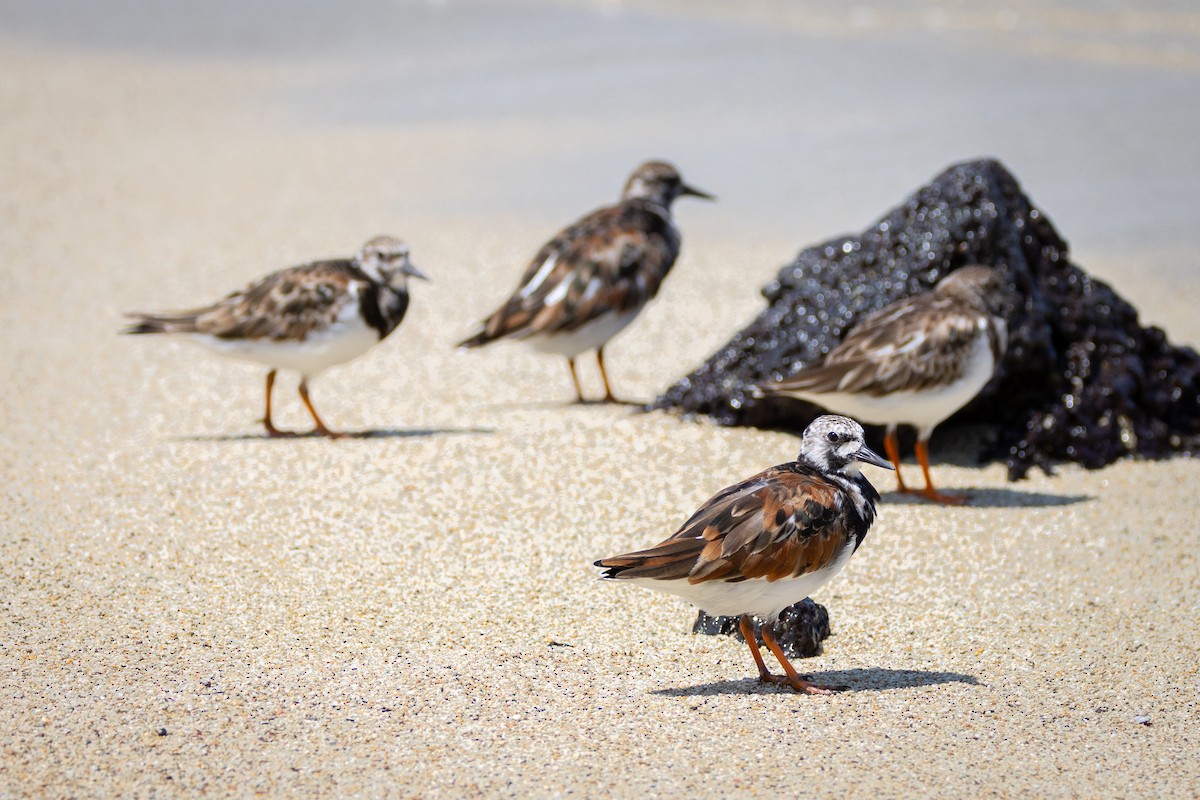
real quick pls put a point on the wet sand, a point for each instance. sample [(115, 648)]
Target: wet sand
[(189, 607)]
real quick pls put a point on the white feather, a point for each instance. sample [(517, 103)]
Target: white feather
[(348, 337), (539, 277), (924, 409), (757, 596)]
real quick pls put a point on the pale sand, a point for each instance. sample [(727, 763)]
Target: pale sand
[(416, 614)]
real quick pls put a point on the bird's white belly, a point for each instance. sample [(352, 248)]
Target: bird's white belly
[(756, 596), (924, 409), (588, 336), (349, 337)]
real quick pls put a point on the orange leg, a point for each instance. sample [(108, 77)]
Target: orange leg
[(575, 380), (272, 431), (891, 443), (793, 678), (764, 674), (608, 395), (321, 429), (930, 493)]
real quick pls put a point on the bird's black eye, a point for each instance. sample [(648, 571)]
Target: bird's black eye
[(833, 437)]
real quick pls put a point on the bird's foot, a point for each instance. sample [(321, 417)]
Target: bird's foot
[(801, 685), (608, 400), (611, 400), (276, 433)]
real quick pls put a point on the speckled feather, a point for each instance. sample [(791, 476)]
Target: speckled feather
[(612, 260), (917, 343), (610, 264), (306, 318), (288, 305), (786, 521)]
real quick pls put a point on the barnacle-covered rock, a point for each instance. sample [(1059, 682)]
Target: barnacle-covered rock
[(799, 630), (1082, 380)]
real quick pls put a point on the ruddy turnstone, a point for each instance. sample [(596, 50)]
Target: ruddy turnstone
[(305, 318), (914, 362), (588, 282), (761, 545)]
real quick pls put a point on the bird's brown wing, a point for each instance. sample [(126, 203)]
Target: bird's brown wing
[(614, 259), (285, 305), (781, 523), (910, 345)]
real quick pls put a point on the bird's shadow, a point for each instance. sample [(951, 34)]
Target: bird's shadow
[(871, 679), (992, 497), (370, 433), (548, 405)]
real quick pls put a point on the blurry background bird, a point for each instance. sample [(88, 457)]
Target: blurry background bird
[(591, 280), (305, 318), (914, 362)]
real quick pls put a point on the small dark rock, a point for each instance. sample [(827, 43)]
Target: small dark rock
[(1083, 381), (799, 629), (162, 731)]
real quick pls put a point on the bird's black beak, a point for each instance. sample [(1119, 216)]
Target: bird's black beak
[(694, 192), (410, 269), (869, 456)]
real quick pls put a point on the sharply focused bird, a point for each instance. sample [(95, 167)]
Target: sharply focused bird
[(914, 362), (590, 281), (768, 542), (305, 318)]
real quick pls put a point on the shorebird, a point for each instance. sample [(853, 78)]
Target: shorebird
[(590, 281), (771, 540), (914, 362), (305, 318)]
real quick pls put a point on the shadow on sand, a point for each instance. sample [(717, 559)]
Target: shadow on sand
[(370, 433), (872, 679), (992, 497), (549, 405)]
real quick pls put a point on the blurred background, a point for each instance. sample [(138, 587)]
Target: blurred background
[(806, 118), (211, 142)]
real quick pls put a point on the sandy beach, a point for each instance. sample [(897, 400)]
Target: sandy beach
[(190, 608)]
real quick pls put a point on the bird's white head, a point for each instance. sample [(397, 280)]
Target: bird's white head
[(835, 444), (385, 260), (660, 183)]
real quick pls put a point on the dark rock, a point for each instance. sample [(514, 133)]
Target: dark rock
[(799, 629), (1082, 381)]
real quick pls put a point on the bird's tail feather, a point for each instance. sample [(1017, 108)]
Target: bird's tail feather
[(671, 559), (478, 339), (183, 322)]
